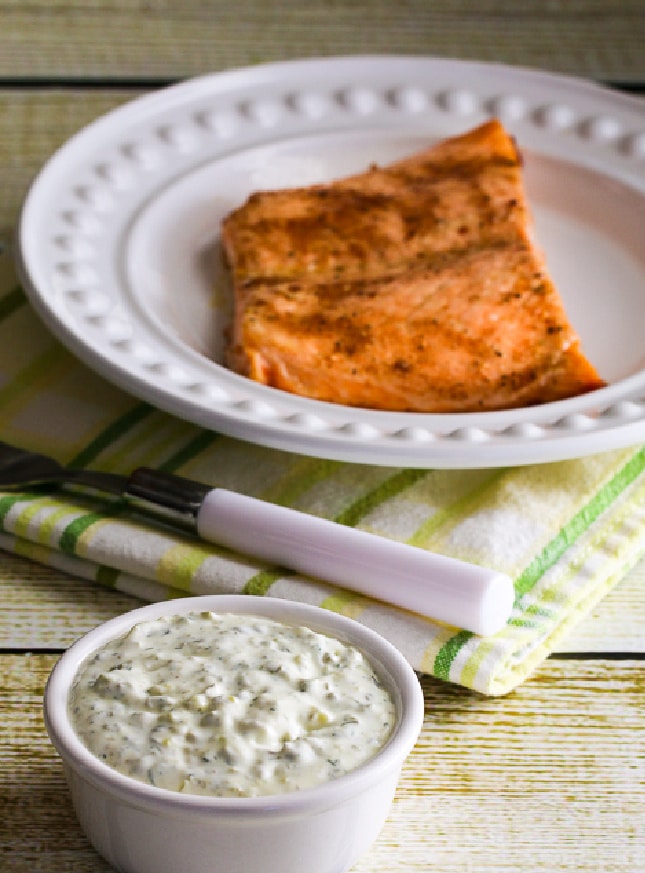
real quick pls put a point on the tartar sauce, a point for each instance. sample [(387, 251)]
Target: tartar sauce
[(230, 705)]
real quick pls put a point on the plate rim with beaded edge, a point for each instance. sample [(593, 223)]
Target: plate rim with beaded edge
[(127, 212)]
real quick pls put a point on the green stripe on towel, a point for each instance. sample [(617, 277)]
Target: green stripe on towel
[(70, 536), (195, 446), (549, 556), (113, 431), (579, 523), (261, 582), (391, 487)]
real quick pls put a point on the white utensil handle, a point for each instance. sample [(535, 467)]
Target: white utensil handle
[(451, 591)]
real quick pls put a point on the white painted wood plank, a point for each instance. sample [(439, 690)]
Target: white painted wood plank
[(550, 778)]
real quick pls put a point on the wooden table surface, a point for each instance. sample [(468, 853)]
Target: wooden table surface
[(551, 777)]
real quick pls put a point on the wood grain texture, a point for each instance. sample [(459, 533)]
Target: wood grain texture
[(153, 38), (551, 777), (617, 623), (43, 609)]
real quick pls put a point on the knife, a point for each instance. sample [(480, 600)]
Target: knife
[(445, 589), (448, 590)]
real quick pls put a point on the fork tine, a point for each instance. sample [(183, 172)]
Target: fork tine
[(22, 468)]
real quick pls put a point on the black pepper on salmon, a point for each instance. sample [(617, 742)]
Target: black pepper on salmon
[(411, 287)]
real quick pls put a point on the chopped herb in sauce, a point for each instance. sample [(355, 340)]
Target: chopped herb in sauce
[(230, 705)]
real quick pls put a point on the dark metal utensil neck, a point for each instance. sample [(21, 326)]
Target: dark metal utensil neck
[(166, 491)]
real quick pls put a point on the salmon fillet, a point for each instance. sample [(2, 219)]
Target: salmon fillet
[(411, 287)]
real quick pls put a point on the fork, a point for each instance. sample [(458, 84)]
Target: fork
[(465, 595), (146, 488)]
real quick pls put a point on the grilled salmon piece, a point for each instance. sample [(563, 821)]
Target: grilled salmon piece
[(411, 287)]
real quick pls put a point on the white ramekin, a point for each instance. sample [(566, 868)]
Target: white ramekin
[(139, 828)]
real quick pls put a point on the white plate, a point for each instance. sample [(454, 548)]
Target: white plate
[(118, 242)]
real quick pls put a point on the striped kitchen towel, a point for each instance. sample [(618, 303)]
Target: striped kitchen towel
[(565, 532)]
